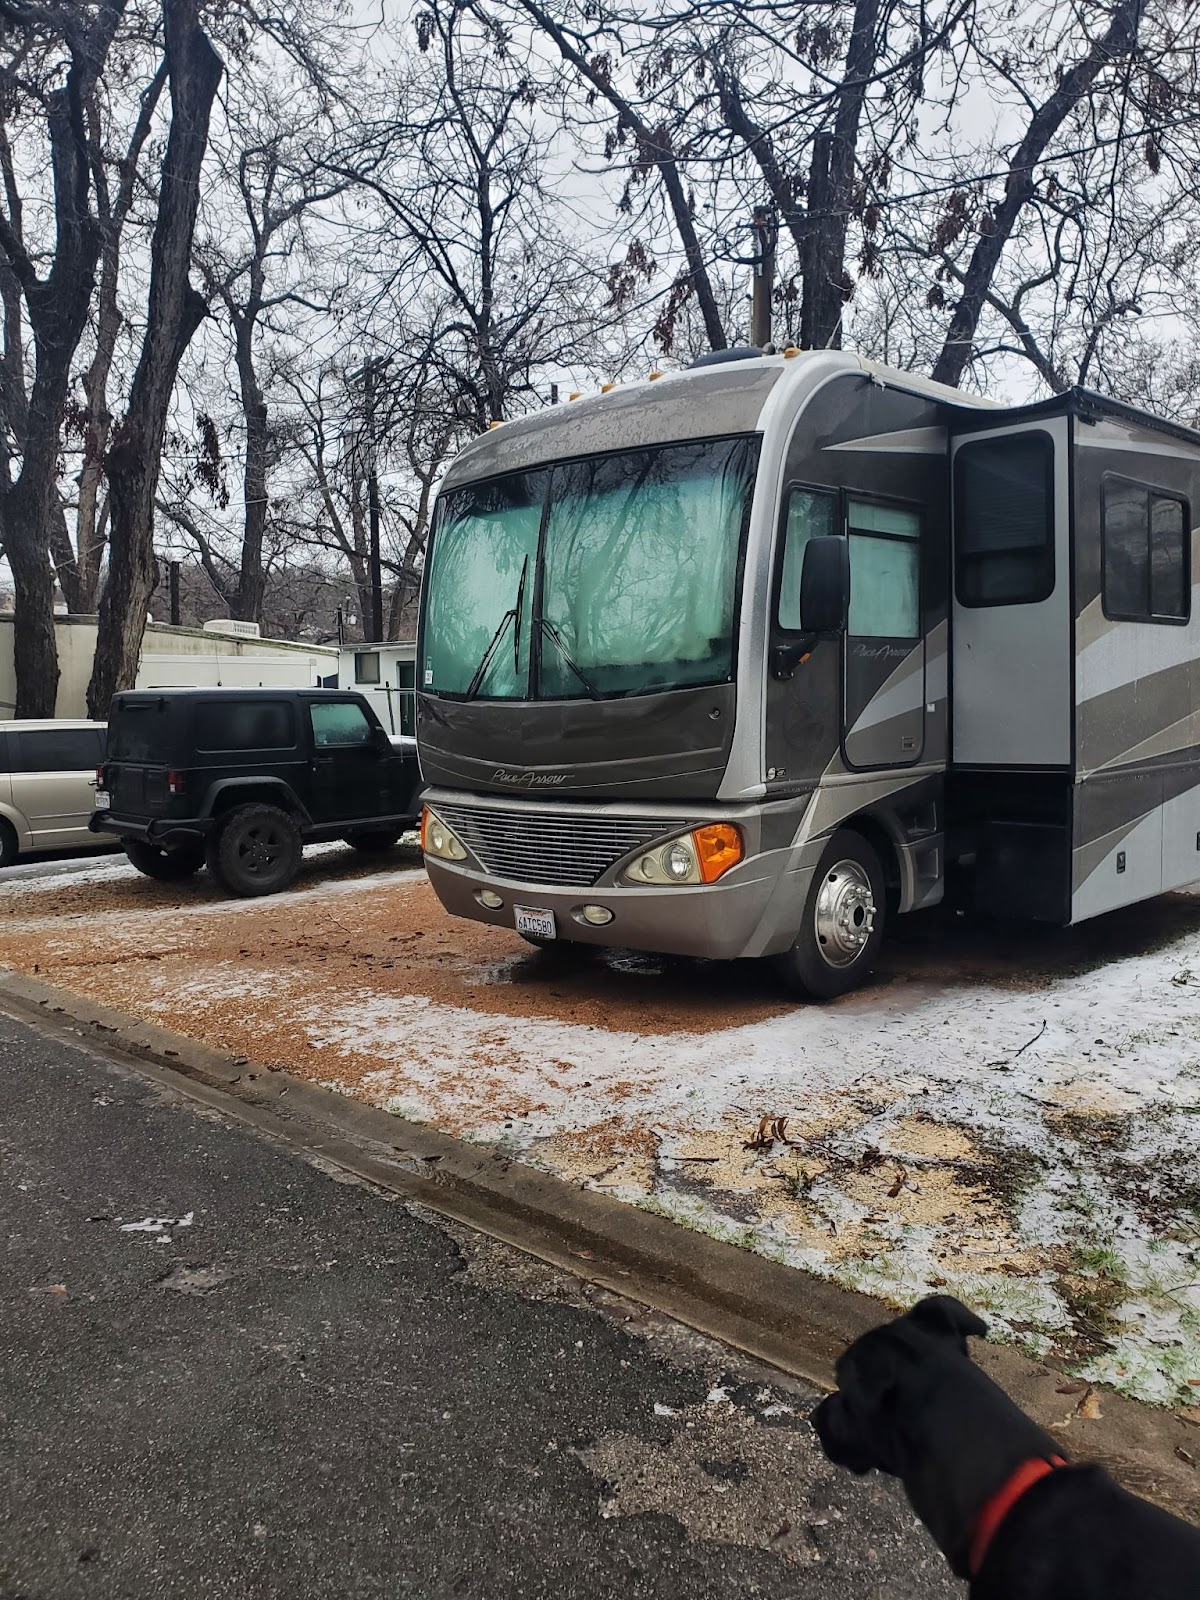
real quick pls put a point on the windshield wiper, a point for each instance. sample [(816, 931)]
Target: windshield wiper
[(569, 659), (513, 615)]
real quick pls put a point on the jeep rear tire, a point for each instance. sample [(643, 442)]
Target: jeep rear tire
[(254, 850), (373, 843), (163, 864), (842, 924), (9, 848)]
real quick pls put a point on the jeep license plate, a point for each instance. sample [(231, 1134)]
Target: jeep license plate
[(103, 801), (538, 923)]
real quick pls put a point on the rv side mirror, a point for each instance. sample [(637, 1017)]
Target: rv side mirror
[(825, 585)]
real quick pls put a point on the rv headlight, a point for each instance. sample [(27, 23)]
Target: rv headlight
[(438, 840), (701, 856), (679, 861)]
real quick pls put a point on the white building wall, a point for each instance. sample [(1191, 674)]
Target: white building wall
[(173, 658)]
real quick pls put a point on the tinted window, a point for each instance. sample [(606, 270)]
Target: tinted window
[(244, 725), (1144, 534), (138, 731), (340, 723), (1004, 521), (811, 514), (885, 571), (57, 749)]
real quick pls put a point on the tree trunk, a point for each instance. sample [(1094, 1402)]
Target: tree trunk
[(251, 584), (1019, 186), (826, 287), (89, 519), (62, 554), (35, 652), (175, 311), (57, 307)]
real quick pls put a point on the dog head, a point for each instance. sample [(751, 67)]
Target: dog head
[(859, 1425)]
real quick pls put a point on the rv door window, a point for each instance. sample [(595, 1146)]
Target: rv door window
[(1004, 521), (1145, 553), (885, 571), (811, 514)]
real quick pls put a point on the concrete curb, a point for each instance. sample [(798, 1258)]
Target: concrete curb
[(795, 1322)]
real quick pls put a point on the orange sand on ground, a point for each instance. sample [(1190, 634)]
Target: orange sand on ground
[(125, 942)]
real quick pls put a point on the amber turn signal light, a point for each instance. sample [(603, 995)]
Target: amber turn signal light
[(718, 847)]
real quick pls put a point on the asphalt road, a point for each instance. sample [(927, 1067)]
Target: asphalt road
[(223, 1372)]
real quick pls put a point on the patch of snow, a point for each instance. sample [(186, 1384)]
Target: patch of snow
[(158, 1224)]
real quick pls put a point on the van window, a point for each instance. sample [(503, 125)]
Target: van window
[(1004, 521), (885, 571), (56, 749), (339, 722), (1144, 536), (244, 725)]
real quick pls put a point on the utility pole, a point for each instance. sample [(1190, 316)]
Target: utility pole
[(370, 372), (766, 231)]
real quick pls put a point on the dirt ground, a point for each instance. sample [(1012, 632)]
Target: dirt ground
[(1008, 1113)]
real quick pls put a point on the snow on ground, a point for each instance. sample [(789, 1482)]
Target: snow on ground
[(1033, 1152), (1021, 1131)]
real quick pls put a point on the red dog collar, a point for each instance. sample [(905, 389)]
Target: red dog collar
[(1002, 1502)]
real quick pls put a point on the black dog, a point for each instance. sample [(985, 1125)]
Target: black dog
[(1004, 1507)]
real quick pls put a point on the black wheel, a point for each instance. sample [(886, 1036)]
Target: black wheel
[(254, 850), (8, 843), (167, 866), (842, 926), (373, 844)]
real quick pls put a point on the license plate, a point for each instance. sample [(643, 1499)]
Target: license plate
[(539, 923), (103, 801)]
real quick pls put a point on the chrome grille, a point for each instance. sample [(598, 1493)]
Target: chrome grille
[(556, 848)]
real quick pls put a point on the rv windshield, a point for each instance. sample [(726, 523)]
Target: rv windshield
[(631, 587)]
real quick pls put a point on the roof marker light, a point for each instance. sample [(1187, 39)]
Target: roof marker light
[(792, 350), (654, 375)]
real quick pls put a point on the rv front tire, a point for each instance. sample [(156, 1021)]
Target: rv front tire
[(842, 925)]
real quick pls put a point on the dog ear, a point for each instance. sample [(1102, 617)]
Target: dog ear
[(943, 1314)]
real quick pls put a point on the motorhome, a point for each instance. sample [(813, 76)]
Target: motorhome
[(747, 660)]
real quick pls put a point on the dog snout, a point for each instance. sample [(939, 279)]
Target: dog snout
[(842, 1440)]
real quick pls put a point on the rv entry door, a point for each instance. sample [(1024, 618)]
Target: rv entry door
[(1011, 622)]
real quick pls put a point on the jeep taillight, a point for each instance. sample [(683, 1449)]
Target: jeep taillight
[(174, 782), (100, 777)]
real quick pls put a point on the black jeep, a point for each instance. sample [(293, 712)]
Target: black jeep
[(240, 779)]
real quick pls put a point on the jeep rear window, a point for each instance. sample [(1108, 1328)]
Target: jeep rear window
[(245, 725), (138, 731)]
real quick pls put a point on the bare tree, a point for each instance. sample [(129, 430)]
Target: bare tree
[(1117, 41), (67, 46), (175, 311), (274, 272)]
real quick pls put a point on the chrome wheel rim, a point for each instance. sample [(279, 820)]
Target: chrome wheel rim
[(845, 914)]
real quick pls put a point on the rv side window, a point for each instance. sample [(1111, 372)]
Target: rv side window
[(811, 513), (1004, 521), (885, 571), (1145, 553)]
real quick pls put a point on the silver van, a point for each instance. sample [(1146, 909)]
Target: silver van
[(47, 786)]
